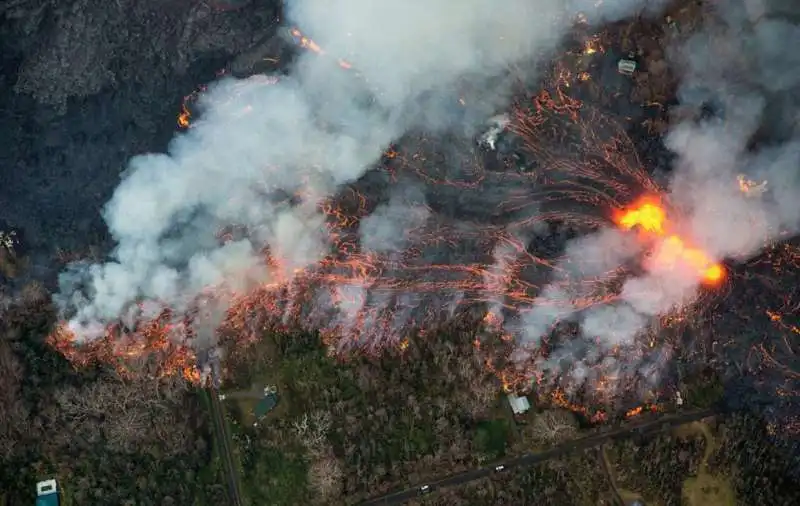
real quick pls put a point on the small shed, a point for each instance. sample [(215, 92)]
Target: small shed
[(626, 67), (519, 405), (47, 493)]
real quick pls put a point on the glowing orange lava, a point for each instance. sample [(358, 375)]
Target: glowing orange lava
[(128, 353), (670, 251), (648, 215), (751, 188), (184, 116), (164, 345), (307, 43)]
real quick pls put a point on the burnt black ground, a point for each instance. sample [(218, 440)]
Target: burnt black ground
[(64, 145)]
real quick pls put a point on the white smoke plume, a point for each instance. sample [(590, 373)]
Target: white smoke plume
[(739, 65), (306, 135), (392, 226)]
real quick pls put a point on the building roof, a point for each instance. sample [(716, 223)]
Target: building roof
[(47, 500), (265, 405), (519, 405), (47, 493)]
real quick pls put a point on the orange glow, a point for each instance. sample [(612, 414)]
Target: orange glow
[(751, 188), (128, 354), (778, 318), (280, 304), (592, 46), (650, 216), (671, 250), (559, 398), (183, 117), (633, 412), (307, 43), (508, 383)]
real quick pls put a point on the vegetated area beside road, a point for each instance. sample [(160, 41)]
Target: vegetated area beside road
[(358, 428), (107, 439), (351, 430), (342, 431), (676, 468)]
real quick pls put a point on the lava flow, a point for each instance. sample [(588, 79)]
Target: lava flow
[(307, 43), (669, 250), (151, 350), (446, 266), (484, 241)]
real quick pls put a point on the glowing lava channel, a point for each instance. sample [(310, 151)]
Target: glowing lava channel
[(670, 250)]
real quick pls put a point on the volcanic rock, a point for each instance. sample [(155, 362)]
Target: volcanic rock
[(86, 85)]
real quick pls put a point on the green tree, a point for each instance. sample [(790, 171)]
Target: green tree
[(491, 437)]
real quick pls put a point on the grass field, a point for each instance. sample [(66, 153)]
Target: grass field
[(708, 490), (705, 489)]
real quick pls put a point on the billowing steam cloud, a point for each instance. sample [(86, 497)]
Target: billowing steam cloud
[(259, 141), (736, 66), (391, 227), (742, 68)]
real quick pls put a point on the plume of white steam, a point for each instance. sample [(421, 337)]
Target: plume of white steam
[(742, 65), (497, 278), (307, 134), (739, 64), (586, 257), (392, 226)]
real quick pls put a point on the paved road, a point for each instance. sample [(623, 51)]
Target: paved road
[(644, 427), (225, 450)]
